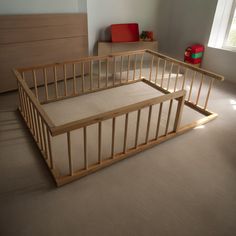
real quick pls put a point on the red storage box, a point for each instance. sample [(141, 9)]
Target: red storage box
[(193, 54), (196, 48), (193, 61), (124, 32)]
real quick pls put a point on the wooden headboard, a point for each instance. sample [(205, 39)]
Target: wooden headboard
[(27, 40)]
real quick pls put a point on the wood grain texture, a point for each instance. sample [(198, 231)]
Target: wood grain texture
[(27, 40)]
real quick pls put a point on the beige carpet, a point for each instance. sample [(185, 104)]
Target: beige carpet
[(183, 187)]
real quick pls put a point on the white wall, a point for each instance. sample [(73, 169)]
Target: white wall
[(103, 13), (41, 6), (184, 22)]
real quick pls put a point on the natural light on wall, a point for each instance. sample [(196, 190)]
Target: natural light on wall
[(223, 32)]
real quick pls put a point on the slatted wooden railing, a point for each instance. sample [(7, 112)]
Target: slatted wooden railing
[(50, 83)]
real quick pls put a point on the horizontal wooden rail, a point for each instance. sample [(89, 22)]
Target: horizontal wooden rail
[(34, 101), (186, 65), (81, 60), (117, 112)]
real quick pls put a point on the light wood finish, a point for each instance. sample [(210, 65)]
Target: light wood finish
[(117, 112), (126, 132), (106, 48), (186, 65), (157, 69), (168, 117), (159, 120), (27, 40), (43, 130), (69, 153), (199, 90), (168, 82), (99, 142), (85, 148), (148, 124), (163, 73), (208, 93), (151, 68), (113, 137), (137, 128), (191, 85)]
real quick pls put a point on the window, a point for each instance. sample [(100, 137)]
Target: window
[(230, 39), (223, 32)]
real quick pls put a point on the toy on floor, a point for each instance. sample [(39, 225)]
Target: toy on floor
[(194, 54)]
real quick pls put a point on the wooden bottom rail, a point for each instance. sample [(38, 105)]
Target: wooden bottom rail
[(62, 180)]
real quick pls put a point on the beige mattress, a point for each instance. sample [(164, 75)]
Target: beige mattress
[(73, 109)]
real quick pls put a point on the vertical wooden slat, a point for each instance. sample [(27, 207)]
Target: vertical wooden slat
[(126, 132), (176, 78), (45, 141), (141, 66), (179, 113), (100, 142), (65, 80), (50, 150), (184, 79), (135, 62), (85, 148), (107, 70), (24, 104), (99, 73), (128, 68), (168, 118), (199, 90), (82, 76), (39, 129), (121, 68), (163, 73), (20, 96), (35, 124), (151, 68), (157, 69), (35, 85), (170, 73), (74, 79), (191, 86), (159, 120), (148, 123), (113, 137), (55, 81), (69, 153), (137, 129), (114, 70), (45, 82), (208, 93), (32, 117), (29, 111), (91, 75)]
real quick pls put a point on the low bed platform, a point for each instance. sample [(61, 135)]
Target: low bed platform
[(88, 114)]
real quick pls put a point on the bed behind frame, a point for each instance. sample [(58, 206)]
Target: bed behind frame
[(177, 80)]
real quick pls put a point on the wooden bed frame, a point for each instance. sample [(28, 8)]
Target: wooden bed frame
[(110, 69)]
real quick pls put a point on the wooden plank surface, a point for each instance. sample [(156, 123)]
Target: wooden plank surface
[(28, 40)]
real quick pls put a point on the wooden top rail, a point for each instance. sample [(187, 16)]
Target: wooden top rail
[(35, 102), (114, 113), (202, 71), (81, 60)]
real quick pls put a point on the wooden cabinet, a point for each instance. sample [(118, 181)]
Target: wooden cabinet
[(106, 48)]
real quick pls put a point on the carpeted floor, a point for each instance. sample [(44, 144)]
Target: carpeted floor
[(185, 186)]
